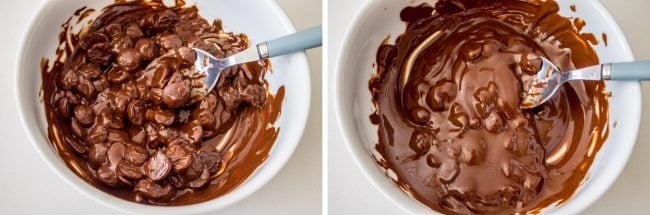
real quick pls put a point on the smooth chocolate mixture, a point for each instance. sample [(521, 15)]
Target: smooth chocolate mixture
[(123, 117), (454, 134)]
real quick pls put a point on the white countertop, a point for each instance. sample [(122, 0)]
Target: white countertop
[(27, 186), (351, 193)]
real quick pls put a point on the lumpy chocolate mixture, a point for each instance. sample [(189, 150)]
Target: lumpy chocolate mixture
[(455, 136), (123, 116)]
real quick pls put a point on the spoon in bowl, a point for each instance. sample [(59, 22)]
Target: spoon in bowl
[(549, 78), (210, 67)]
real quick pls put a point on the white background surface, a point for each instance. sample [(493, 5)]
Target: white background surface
[(27, 186), (351, 193)]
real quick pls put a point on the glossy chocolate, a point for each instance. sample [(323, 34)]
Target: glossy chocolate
[(121, 115), (454, 135)]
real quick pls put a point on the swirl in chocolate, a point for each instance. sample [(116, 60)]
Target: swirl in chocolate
[(121, 112), (454, 134)]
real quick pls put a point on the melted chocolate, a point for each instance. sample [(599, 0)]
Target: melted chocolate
[(121, 115), (454, 134)]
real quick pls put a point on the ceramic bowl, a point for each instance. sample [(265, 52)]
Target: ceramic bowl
[(261, 21), (380, 18)]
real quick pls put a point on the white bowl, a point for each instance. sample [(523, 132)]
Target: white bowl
[(261, 21), (353, 104)]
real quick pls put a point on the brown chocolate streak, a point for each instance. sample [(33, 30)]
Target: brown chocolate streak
[(456, 138)]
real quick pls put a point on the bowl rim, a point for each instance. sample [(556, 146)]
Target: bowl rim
[(241, 192), (369, 169)]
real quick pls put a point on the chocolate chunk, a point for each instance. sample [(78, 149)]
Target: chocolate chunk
[(96, 134), (147, 48), (161, 116), (179, 156), (154, 191), (120, 43), (253, 94), (169, 41), (160, 20), (210, 157), (89, 71), (67, 79), (191, 131), (85, 87), (128, 59), (127, 170), (176, 94), (205, 118), (97, 154), (202, 180), (84, 114), (118, 76), (137, 112), (77, 129), (99, 54), (421, 142), (133, 30), (135, 155), (92, 39), (76, 145), (63, 107), (107, 175), (158, 166), (113, 30)]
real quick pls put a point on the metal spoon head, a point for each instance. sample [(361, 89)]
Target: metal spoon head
[(544, 84), (208, 68)]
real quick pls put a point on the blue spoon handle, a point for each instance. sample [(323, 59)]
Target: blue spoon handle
[(636, 70), (306, 39)]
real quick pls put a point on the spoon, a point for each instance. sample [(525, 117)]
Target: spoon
[(549, 78), (211, 67)]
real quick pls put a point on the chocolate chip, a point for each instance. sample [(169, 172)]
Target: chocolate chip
[(158, 166)]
